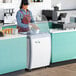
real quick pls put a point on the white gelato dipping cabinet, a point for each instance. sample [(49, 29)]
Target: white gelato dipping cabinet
[(39, 50)]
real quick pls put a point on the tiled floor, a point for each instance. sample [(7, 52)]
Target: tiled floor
[(64, 70)]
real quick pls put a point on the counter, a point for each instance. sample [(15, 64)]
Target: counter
[(13, 53), (12, 36), (61, 31), (13, 50), (63, 45)]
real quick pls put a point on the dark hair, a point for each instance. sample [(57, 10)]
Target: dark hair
[(24, 2)]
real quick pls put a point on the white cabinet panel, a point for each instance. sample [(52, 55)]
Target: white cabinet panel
[(39, 50)]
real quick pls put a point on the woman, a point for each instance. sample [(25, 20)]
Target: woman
[(24, 17)]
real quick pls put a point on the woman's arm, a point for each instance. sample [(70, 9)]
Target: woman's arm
[(19, 22)]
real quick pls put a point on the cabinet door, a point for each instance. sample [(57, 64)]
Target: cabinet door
[(63, 46), (13, 54), (41, 52)]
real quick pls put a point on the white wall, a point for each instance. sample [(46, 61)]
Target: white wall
[(68, 4), (65, 4), (37, 7), (34, 7), (55, 2), (1, 1)]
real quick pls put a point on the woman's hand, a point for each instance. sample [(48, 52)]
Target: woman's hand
[(34, 26)]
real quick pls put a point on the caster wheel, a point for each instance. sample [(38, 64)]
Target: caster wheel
[(45, 67), (29, 70)]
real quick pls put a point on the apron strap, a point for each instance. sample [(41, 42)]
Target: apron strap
[(22, 13), (26, 13)]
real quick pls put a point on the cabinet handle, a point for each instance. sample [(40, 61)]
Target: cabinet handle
[(37, 41)]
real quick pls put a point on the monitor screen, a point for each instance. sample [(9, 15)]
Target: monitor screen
[(47, 14), (50, 15), (62, 15)]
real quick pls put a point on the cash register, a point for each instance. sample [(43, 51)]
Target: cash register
[(51, 15), (60, 24)]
